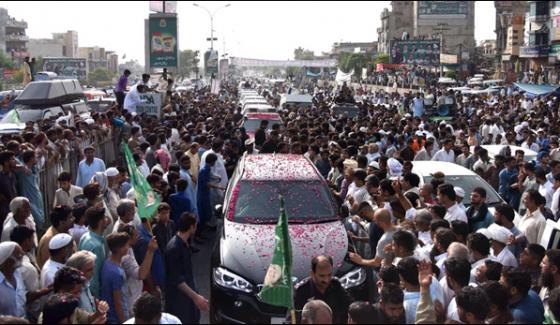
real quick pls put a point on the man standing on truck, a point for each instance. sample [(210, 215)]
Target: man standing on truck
[(121, 88)]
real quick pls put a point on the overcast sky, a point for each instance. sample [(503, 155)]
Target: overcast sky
[(264, 30)]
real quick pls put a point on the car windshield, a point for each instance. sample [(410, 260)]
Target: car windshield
[(252, 126), (350, 111), (306, 202), (469, 183), (100, 106)]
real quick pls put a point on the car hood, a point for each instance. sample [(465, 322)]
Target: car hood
[(247, 249)]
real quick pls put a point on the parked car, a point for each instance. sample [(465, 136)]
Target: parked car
[(101, 105), (494, 150), (258, 108), (245, 247)]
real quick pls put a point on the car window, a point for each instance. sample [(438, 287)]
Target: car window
[(306, 202), (81, 108), (469, 183)]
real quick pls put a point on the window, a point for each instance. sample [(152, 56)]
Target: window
[(539, 8)]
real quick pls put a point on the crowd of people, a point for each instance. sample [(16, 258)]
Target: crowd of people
[(437, 255)]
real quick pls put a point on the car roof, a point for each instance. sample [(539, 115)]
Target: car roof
[(263, 116), (278, 167), (427, 168), (495, 150)]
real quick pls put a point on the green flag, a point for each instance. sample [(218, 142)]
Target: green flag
[(278, 287), (147, 200)]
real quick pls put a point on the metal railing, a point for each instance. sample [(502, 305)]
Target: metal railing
[(48, 175)]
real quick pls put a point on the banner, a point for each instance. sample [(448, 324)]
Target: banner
[(448, 58), (163, 40), (152, 106), (244, 62), (147, 200), (443, 9), (211, 63), (278, 287), (415, 52), (216, 85), (342, 77)]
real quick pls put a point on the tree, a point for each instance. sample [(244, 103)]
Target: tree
[(352, 61), (99, 76), (381, 58), (186, 60), (302, 54), (6, 61)]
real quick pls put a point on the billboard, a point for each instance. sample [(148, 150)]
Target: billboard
[(67, 68), (415, 52), (163, 41), (443, 9), (158, 6), (448, 58), (152, 104), (211, 62)]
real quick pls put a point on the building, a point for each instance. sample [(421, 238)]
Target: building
[(488, 48), (367, 48), (453, 20), (13, 40), (112, 62), (395, 24), (45, 48), (510, 17), (96, 56), (536, 48), (70, 43)]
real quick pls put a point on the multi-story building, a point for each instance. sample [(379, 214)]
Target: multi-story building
[(96, 56), (45, 47), (536, 49), (510, 16), (70, 43), (13, 40), (112, 62), (395, 24)]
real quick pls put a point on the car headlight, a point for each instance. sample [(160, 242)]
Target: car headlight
[(353, 278), (227, 279)]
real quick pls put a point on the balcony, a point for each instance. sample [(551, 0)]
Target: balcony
[(16, 38), (12, 23)]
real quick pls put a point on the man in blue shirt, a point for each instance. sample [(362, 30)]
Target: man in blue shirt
[(526, 306), (113, 279), (180, 202), (94, 242), (88, 167), (190, 191), (508, 179)]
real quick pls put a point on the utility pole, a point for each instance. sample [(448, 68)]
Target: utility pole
[(211, 14), (441, 28)]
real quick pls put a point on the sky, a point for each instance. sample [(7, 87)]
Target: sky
[(264, 29)]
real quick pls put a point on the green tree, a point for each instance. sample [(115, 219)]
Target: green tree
[(302, 54), (352, 61), (6, 61), (381, 58), (186, 60), (99, 76)]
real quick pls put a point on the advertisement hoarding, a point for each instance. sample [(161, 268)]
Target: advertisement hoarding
[(443, 9), (67, 68), (211, 62), (415, 52), (152, 105), (163, 41)]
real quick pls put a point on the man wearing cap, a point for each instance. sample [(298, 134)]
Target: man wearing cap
[(88, 167), (460, 196), (60, 248), (62, 221), (12, 288), (500, 236)]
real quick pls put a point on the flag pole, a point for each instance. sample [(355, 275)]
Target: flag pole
[(293, 313)]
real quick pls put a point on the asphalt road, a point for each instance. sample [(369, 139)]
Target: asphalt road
[(201, 267)]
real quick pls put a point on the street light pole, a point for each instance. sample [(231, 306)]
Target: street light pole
[(211, 14)]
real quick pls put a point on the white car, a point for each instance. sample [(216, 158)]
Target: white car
[(494, 150), (459, 176), (258, 108)]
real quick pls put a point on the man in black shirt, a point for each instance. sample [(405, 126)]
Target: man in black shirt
[(322, 286), (390, 309), (271, 145), (260, 135)]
